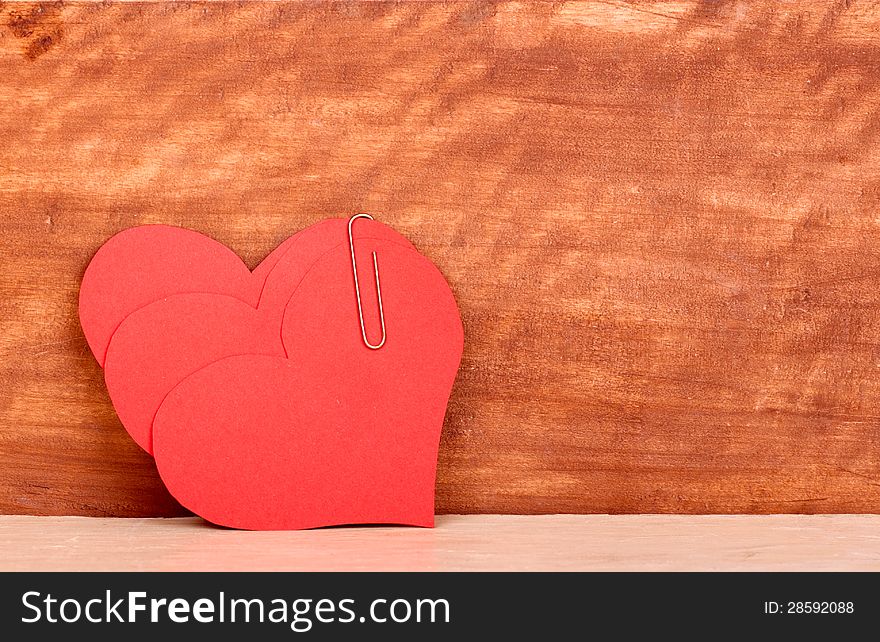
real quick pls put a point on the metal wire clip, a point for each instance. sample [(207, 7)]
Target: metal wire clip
[(357, 287)]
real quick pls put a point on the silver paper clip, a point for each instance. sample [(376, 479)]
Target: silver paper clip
[(357, 287)]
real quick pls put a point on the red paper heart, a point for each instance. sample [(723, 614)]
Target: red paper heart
[(143, 264), (337, 433), (159, 345)]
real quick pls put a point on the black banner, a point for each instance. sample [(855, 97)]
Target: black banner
[(404, 605)]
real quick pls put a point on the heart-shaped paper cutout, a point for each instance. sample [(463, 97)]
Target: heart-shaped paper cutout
[(338, 433), (159, 345), (143, 264)]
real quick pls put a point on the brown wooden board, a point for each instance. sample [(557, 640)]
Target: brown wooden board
[(661, 222)]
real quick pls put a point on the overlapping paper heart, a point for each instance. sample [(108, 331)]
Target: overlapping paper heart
[(256, 391)]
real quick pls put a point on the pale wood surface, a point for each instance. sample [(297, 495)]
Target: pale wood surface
[(458, 543), (660, 220)]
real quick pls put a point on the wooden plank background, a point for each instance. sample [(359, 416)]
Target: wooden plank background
[(661, 222)]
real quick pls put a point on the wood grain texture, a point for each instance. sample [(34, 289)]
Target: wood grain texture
[(459, 543), (661, 222)]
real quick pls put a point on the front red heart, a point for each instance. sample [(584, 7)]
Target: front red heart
[(338, 433), (159, 345)]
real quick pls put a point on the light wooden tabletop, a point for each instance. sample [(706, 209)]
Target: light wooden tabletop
[(458, 543)]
